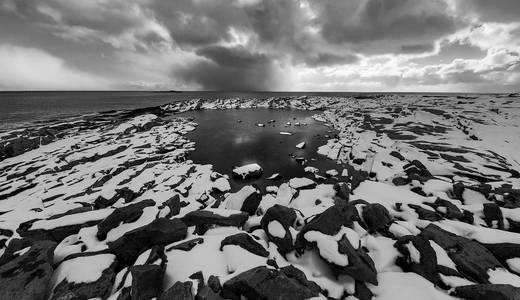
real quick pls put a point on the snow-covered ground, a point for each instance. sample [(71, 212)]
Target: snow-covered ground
[(426, 206)]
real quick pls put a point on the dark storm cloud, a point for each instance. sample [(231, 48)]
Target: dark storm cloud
[(395, 22), (244, 44), (233, 69)]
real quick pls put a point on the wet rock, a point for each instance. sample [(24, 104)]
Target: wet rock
[(246, 242), (473, 260), (178, 291), (28, 276), (146, 281), (126, 214), (487, 292), (161, 231), (286, 218), (174, 204), (269, 284), (376, 217)]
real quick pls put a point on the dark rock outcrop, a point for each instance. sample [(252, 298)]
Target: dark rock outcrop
[(126, 214), (286, 217), (246, 242)]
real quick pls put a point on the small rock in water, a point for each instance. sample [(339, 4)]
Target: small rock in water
[(275, 176), (285, 133), (311, 170), (331, 173), (301, 145), (260, 125), (248, 171)]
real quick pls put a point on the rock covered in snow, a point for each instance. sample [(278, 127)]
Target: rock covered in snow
[(248, 171)]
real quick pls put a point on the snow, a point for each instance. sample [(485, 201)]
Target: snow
[(72, 219), (415, 255), (502, 276), (276, 229), (301, 182), (246, 170), (328, 247), (391, 287), (300, 145), (285, 133), (236, 200), (442, 257), (332, 172), (91, 268), (514, 264), (311, 170)]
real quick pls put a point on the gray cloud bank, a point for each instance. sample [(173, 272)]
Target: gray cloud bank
[(469, 45)]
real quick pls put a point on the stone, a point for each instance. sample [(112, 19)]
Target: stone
[(125, 214), (286, 217), (246, 242), (261, 282), (146, 281), (376, 217), (487, 292), (27, 277), (178, 291)]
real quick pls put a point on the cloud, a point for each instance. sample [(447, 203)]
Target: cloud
[(32, 69), (233, 69)]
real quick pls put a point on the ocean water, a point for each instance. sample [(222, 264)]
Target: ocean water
[(20, 108)]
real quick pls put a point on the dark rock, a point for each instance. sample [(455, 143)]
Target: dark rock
[(342, 191), (100, 288), (472, 259), (376, 217), (14, 246), (362, 291), (214, 284), (328, 222), (263, 283), (250, 204), (487, 292), (246, 242), (397, 155), (146, 281), (56, 234), (206, 293), (126, 214), (161, 231), (452, 211), (401, 181), (205, 217), (493, 213), (174, 204), (504, 251), (360, 265), (286, 216), (426, 214), (188, 245), (178, 291), (427, 266), (28, 276)]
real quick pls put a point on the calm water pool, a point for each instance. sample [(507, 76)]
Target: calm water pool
[(229, 138)]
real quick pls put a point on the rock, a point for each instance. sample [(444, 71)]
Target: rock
[(146, 281), (99, 287), (504, 251), (376, 217), (487, 292), (27, 277), (301, 183), (206, 293), (286, 217), (246, 242), (342, 191), (248, 171), (275, 176), (174, 204), (492, 214), (473, 260), (362, 291), (300, 145), (426, 214), (209, 218), (360, 265), (246, 199), (126, 214), (447, 209), (178, 291), (328, 222), (401, 181), (161, 231), (425, 265), (261, 282)]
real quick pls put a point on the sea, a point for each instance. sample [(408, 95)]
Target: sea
[(18, 109)]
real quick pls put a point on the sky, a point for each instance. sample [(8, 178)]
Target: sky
[(261, 45)]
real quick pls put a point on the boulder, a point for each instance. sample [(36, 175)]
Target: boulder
[(178, 291), (125, 214), (146, 281), (261, 282), (27, 277), (246, 242), (286, 217), (376, 217), (487, 292), (161, 231), (248, 171)]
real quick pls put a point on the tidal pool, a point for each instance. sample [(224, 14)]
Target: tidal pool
[(231, 137)]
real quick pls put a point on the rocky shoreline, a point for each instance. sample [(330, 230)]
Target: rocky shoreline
[(109, 206)]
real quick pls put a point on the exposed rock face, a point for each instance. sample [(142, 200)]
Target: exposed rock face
[(124, 214), (285, 217), (264, 283), (376, 217), (178, 291), (146, 281), (246, 242), (487, 291), (248, 171), (161, 231), (28, 276)]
